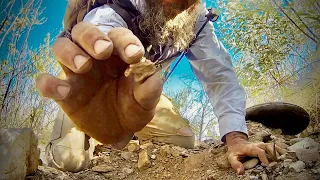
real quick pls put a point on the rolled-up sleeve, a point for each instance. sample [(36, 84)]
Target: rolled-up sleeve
[(212, 65)]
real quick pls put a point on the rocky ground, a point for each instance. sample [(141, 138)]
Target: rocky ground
[(207, 161)]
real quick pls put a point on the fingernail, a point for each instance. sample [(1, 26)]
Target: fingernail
[(238, 171), (63, 91), (101, 45), (132, 50), (80, 60)]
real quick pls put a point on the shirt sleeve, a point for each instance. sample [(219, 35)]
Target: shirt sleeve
[(212, 65), (105, 18)]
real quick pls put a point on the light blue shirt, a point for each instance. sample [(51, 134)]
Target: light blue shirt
[(210, 62)]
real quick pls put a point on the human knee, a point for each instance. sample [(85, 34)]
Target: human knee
[(185, 131)]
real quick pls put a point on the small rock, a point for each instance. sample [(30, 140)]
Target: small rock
[(287, 162), (277, 131), (283, 157), (184, 154), (108, 175), (126, 155), (282, 145), (286, 170), (273, 165), (146, 145), (19, 154), (258, 167), (253, 178), (194, 161), (297, 166), (223, 162), (175, 153), (314, 171), (295, 140), (153, 156), (133, 147), (144, 162), (180, 149), (264, 176), (209, 172), (203, 145), (127, 170), (103, 168), (251, 163), (165, 151), (306, 150), (154, 150), (211, 177)]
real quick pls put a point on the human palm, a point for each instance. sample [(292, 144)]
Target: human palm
[(98, 97)]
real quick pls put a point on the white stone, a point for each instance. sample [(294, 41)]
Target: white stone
[(306, 150), (19, 153), (251, 163), (298, 166)]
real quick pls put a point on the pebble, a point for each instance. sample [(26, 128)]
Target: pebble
[(102, 168), (126, 155), (146, 145), (264, 176), (154, 150), (153, 156), (259, 167), (127, 170), (133, 148), (287, 162), (251, 163), (295, 140), (273, 165), (314, 171), (175, 153), (286, 170), (254, 178), (144, 162), (297, 166)]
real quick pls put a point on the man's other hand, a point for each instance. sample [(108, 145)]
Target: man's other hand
[(95, 94), (239, 148)]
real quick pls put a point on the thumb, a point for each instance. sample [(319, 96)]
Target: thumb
[(147, 94), (236, 164)]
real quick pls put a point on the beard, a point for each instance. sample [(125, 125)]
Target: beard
[(173, 25)]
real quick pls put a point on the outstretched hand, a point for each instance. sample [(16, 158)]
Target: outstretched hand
[(239, 148), (96, 94)]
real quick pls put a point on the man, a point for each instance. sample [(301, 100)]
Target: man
[(95, 93)]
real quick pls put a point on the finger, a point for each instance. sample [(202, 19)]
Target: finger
[(126, 45), (92, 40), (147, 94), (236, 164), (260, 153), (52, 87), (71, 56), (280, 150), (270, 149)]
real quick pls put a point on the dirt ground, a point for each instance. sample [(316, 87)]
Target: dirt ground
[(150, 160)]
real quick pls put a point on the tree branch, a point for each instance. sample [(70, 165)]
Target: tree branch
[(295, 12), (314, 40)]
